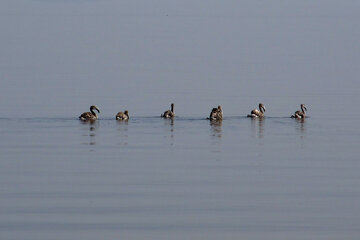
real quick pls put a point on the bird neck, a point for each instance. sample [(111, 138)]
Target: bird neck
[(93, 113)]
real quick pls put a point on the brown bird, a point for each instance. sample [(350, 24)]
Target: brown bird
[(169, 113), (258, 113), (122, 115), (300, 114), (216, 113), (90, 116)]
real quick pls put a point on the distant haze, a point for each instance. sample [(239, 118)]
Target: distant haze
[(59, 57)]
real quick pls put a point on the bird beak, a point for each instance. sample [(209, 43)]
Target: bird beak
[(305, 108)]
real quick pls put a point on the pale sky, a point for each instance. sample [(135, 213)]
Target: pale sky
[(59, 57)]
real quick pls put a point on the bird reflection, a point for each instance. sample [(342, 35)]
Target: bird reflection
[(170, 122), (216, 128), (123, 130), (216, 133), (90, 127), (258, 127), (301, 125)]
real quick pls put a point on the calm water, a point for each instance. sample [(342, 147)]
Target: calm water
[(151, 178)]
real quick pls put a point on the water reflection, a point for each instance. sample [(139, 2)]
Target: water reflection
[(257, 125), (301, 129), (123, 130), (216, 134), (90, 128), (170, 122), (216, 128), (301, 125)]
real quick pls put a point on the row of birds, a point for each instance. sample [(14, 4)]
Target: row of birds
[(216, 113)]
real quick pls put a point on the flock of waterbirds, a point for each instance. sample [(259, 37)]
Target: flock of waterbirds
[(215, 114)]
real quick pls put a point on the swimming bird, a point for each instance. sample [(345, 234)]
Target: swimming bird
[(122, 115), (258, 113), (216, 113), (169, 113), (90, 116), (300, 114)]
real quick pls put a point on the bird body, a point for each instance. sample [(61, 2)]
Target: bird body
[(300, 114), (169, 113), (258, 113), (122, 115), (216, 113), (90, 116)]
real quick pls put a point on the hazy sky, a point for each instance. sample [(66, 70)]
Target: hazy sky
[(59, 57)]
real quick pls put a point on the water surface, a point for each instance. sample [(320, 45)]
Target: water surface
[(151, 178)]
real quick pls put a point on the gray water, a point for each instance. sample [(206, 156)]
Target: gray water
[(187, 178)]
